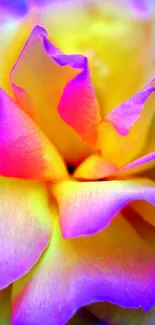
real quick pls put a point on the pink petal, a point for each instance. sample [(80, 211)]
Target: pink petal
[(25, 227), (78, 106), (86, 208), (24, 150)]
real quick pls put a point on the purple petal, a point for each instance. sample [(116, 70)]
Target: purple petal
[(126, 114)]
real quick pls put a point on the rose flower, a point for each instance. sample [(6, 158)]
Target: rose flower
[(77, 157)]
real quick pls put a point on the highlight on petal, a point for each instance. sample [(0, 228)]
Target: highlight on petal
[(93, 168), (5, 305), (25, 227), (115, 315), (126, 114), (86, 208), (116, 265), (44, 74), (24, 150)]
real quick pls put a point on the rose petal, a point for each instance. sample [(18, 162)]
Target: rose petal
[(43, 72), (93, 168), (86, 208), (24, 150), (14, 34), (115, 315), (138, 165), (5, 306), (116, 265), (78, 107), (25, 227), (116, 36), (126, 114), (114, 142)]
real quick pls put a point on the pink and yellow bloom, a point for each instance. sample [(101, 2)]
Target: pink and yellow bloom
[(77, 163)]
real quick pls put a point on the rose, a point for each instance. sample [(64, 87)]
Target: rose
[(43, 208)]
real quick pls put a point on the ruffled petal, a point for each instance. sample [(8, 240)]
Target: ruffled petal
[(5, 306), (93, 168), (24, 150), (25, 227), (116, 265), (124, 132), (86, 208), (115, 315), (45, 74), (116, 36)]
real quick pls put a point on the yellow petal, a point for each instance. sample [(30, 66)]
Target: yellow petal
[(13, 35), (93, 168), (43, 75), (119, 46)]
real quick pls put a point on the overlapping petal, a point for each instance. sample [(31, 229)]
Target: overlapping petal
[(88, 208), (124, 132), (72, 101), (116, 36), (25, 227), (43, 72), (93, 168), (25, 152), (114, 140), (116, 265)]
